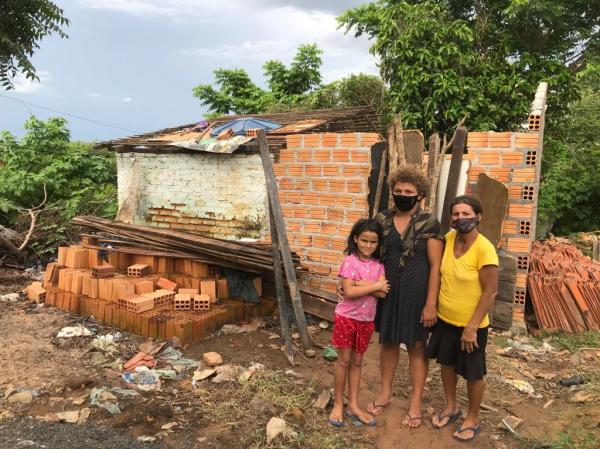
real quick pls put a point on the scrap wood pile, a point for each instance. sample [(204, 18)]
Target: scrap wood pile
[(157, 297), (162, 242), (565, 287)]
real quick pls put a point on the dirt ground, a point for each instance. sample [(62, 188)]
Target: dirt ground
[(234, 414)]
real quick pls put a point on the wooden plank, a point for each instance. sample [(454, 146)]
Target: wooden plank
[(494, 200), (284, 245), (279, 291), (380, 181), (458, 147), (414, 145)]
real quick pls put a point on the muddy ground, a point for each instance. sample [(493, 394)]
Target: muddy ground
[(234, 414)]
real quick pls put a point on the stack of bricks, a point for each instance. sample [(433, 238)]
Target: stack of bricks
[(515, 160), (323, 188), (143, 304)]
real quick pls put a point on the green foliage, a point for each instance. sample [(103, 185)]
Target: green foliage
[(445, 59), (77, 179), (22, 25), (570, 187), (237, 93)]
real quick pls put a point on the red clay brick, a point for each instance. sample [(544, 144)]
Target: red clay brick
[(300, 212), (294, 140), (326, 200), (304, 240), (370, 139), (514, 192), (313, 255), (341, 155), (287, 155), (312, 140), (500, 140), (512, 157), (329, 229), (354, 186), (344, 201), (500, 173), (301, 184), (527, 140), (321, 242), (520, 210), (319, 184), (349, 140), (344, 229), (311, 227), (337, 185), (330, 140), (322, 155), (331, 257), (335, 214), (293, 197), (489, 157), (509, 227), (305, 155), (293, 225), (279, 170), (360, 156), (312, 170), (352, 216), (317, 213), (310, 198), (286, 184), (518, 245), (524, 174), (338, 244), (294, 169), (331, 170), (355, 170), (477, 139)]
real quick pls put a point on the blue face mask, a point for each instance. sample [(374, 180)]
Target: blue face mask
[(464, 225)]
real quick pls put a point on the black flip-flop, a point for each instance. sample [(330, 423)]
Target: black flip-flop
[(378, 406), (476, 430), (451, 418)]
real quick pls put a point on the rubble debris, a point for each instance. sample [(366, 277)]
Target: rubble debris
[(256, 323), (77, 381), (103, 397), (68, 417), (573, 380), (10, 297), (277, 426), (74, 331), (201, 374), (151, 347), (521, 385), (323, 400), (143, 378), (254, 367), (324, 325), (212, 358), (511, 423), (24, 397), (227, 373), (169, 425), (294, 416), (140, 359), (106, 343), (581, 397), (310, 353)]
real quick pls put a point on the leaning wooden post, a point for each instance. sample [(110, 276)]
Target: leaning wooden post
[(279, 291), (460, 137), (380, 180), (284, 245)]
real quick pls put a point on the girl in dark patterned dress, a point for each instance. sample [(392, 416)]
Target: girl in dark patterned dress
[(411, 253)]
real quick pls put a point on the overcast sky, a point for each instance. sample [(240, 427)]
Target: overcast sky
[(133, 63)]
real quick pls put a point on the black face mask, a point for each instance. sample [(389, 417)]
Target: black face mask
[(405, 202), (464, 225)]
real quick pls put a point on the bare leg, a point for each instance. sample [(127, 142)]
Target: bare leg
[(449, 382), (342, 366), (389, 354), (354, 387), (417, 364), (475, 389)]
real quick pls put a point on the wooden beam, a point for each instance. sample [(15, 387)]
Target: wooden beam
[(458, 146), (284, 245)]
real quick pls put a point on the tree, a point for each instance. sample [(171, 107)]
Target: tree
[(238, 94), (23, 23), (570, 186), (77, 179), (444, 59)]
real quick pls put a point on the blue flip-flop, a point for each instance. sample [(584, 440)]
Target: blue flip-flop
[(358, 422), (451, 418), (336, 423), (476, 430)]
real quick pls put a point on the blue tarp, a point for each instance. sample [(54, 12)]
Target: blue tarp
[(240, 126)]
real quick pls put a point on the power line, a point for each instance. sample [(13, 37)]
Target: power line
[(79, 117)]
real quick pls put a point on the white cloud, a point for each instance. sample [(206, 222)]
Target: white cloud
[(259, 50), (127, 99), (93, 95), (146, 8), (24, 85)]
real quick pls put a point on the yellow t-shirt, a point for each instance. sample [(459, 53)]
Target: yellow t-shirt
[(460, 289)]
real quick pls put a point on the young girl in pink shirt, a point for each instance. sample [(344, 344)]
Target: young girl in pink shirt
[(363, 281)]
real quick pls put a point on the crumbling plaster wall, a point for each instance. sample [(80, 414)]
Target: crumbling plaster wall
[(220, 195)]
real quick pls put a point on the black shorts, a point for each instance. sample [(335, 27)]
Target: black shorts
[(444, 346)]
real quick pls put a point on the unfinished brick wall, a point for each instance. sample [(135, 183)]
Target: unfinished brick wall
[(323, 188), (515, 160), (220, 195)]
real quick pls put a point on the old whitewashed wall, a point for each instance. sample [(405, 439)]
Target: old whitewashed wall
[(220, 195)]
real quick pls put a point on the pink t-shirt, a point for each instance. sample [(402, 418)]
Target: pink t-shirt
[(363, 308)]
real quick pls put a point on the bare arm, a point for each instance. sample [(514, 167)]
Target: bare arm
[(435, 251), (352, 290), (488, 276)]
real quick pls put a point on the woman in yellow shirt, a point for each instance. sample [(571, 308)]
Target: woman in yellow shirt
[(469, 282)]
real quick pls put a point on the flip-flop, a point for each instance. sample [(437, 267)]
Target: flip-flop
[(358, 422), (451, 418), (459, 429), (336, 423), (410, 418), (375, 406)]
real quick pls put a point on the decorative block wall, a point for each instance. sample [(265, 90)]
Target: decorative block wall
[(323, 189), (514, 159)]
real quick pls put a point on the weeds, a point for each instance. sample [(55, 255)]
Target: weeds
[(571, 342), (581, 439)]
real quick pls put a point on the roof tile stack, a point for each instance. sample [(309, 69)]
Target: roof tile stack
[(564, 286)]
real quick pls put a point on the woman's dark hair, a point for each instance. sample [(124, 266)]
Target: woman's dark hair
[(362, 225), (468, 200)]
